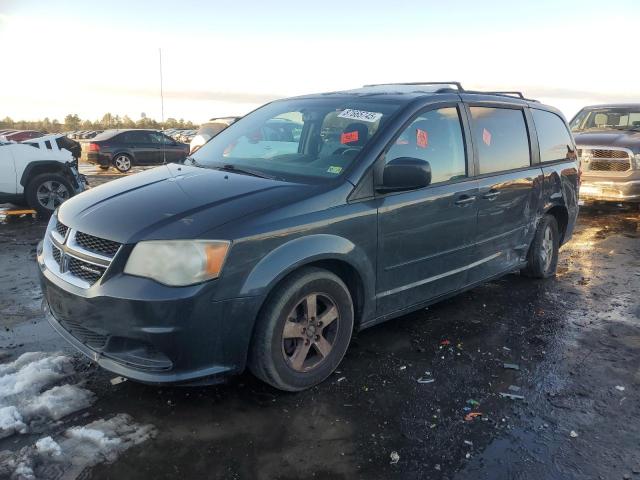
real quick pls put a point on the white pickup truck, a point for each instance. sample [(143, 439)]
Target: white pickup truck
[(40, 172)]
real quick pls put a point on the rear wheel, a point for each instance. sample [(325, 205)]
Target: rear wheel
[(122, 162), (542, 259), (47, 191), (303, 331)]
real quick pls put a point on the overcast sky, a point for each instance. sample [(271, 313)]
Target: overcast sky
[(226, 58)]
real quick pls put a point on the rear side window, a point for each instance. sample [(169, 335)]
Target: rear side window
[(501, 137), (434, 136), (134, 137), (553, 137)]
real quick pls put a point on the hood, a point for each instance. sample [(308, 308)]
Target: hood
[(173, 202), (610, 138)]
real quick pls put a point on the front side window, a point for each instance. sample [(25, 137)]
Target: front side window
[(303, 140), (434, 136), (501, 137), (553, 137)]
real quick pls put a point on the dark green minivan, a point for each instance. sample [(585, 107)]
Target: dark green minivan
[(303, 221)]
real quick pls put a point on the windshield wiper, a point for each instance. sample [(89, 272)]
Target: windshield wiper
[(243, 171)]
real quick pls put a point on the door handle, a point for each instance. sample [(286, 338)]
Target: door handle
[(491, 194), (465, 199)]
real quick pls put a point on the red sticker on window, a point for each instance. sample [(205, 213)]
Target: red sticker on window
[(348, 137), (486, 136), (422, 138)]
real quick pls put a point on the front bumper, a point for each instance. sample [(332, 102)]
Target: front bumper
[(152, 333), (610, 191)]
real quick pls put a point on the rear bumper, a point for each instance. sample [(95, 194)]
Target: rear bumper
[(610, 191), (98, 159), (155, 336)]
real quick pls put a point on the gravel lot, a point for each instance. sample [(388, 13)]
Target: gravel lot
[(574, 342)]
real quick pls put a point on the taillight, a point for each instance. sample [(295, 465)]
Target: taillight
[(94, 147)]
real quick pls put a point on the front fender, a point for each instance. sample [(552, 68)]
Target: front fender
[(305, 250)]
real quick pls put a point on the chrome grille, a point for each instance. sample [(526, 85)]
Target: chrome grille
[(596, 159), (86, 271), (57, 255), (61, 229), (79, 258), (97, 245)]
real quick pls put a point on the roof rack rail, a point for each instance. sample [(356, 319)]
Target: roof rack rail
[(457, 84), (513, 93), (460, 89)]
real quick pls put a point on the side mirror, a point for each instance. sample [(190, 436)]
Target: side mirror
[(405, 173)]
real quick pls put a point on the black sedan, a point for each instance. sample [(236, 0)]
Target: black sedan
[(126, 148)]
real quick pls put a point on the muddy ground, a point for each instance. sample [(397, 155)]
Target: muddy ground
[(575, 338)]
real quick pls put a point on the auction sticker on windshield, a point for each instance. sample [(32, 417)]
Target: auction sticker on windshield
[(360, 115)]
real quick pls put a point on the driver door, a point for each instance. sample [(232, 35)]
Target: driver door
[(426, 237)]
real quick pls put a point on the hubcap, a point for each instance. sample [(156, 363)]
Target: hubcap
[(51, 194), (123, 163), (547, 248), (310, 332)]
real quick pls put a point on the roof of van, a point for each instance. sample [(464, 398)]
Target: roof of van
[(406, 92)]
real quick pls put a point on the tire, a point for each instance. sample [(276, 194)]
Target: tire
[(122, 162), (47, 191), (282, 362), (542, 259)]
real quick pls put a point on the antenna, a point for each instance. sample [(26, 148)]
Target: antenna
[(164, 153)]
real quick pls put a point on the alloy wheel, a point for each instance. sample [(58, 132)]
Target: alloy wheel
[(310, 332), (547, 248), (123, 163), (51, 194)]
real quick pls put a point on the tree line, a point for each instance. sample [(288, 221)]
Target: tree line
[(73, 122)]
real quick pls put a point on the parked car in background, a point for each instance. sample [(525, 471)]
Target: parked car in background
[(6, 131), (41, 173), (209, 130), (608, 138), (22, 135), (123, 149), (191, 272)]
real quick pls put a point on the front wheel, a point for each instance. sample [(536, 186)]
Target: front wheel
[(122, 162), (303, 330), (542, 259), (47, 191)]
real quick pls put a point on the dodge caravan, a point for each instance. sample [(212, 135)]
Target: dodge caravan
[(267, 248)]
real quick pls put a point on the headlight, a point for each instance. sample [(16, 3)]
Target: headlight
[(178, 262)]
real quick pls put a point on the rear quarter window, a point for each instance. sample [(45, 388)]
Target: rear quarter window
[(501, 137), (553, 137)]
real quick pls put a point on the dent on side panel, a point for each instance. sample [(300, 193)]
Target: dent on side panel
[(561, 189)]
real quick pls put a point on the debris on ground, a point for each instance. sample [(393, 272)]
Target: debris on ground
[(341, 379), (117, 380), (445, 343), (473, 402), (620, 388), (512, 396), (514, 388), (511, 366), (426, 380), (470, 416), (573, 434), (394, 457)]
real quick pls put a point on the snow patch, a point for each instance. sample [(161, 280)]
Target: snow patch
[(28, 391), (76, 450)]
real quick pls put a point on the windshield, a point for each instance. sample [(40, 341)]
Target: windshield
[(607, 118), (302, 140)]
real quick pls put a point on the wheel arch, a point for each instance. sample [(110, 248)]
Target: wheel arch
[(332, 253), (39, 167), (561, 214)]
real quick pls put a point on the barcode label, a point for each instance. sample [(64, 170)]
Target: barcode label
[(360, 115)]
